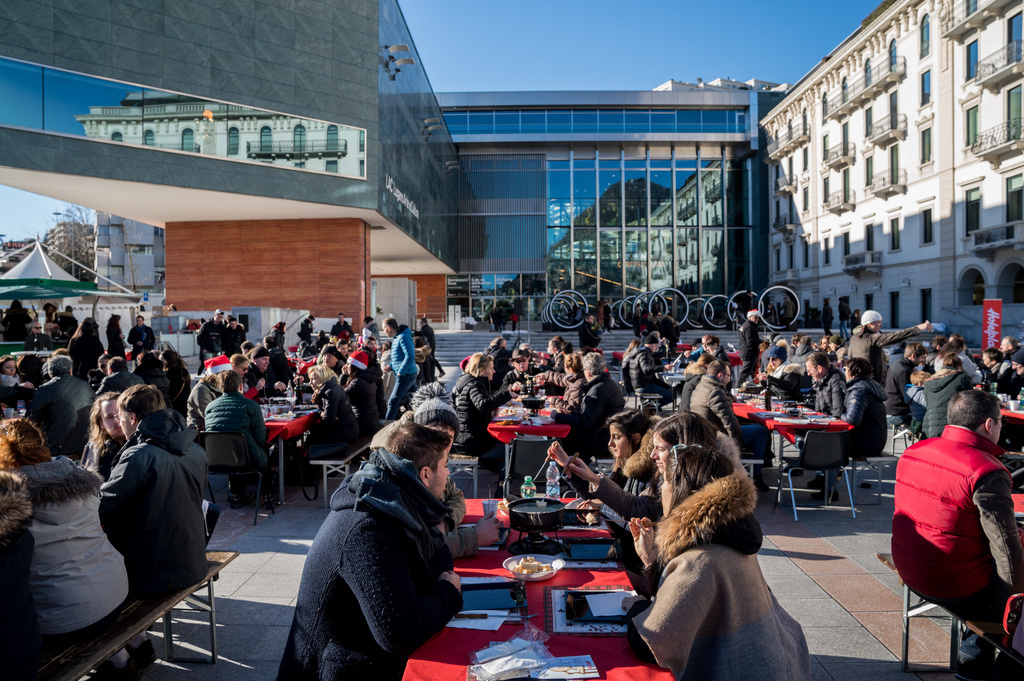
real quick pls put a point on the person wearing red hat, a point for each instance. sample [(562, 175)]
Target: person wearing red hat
[(361, 388)]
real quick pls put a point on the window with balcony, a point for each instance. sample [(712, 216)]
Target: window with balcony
[(926, 35), (824, 107), (824, 148), (894, 234), (299, 138), (1013, 107), (846, 185), (117, 137), (232, 141), (149, 138), (892, 55), (926, 88), (972, 205), (803, 123), (927, 234), (824, 188), (845, 91), (789, 257), (188, 140), (971, 60), (846, 243), (869, 170), (1015, 198), (869, 238), (926, 145), (1013, 29), (778, 260), (806, 200), (867, 72), (972, 125), (894, 163), (869, 119), (332, 138), (806, 158), (827, 250), (266, 138), (807, 252)]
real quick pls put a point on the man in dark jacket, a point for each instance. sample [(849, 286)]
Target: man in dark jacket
[(827, 317), (278, 360), (233, 337), (829, 385), (498, 351), (152, 505), (378, 579), (306, 329), (590, 332), (260, 370), (750, 340), (644, 370), (865, 410), (118, 378), (36, 340), (520, 371), (602, 398), (61, 409), (341, 328), (141, 338), (211, 336), (869, 344), (998, 370), (896, 382), (428, 333), (844, 318)]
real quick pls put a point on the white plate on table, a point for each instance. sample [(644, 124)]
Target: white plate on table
[(555, 564), (792, 421)]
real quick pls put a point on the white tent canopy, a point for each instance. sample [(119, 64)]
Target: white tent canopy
[(37, 265)]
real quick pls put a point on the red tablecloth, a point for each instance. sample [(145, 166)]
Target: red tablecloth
[(787, 430), (734, 359), (1018, 503), (289, 429), (1014, 417), (617, 356), (446, 656), (508, 433)]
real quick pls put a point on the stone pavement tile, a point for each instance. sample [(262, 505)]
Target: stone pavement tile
[(267, 585), (927, 642), (272, 545), (846, 645), (227, 667), (227, 582), (256, 610), (794, 586), (859, 593), (868, 562), (817, 612), (248, 562), (284, 563), (246, 642), (783, 534), (853, 670), (778, 565), (821, 560)]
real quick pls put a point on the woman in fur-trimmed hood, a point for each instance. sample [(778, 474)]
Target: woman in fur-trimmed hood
[(711, 609), (19, 629), (77, 577)]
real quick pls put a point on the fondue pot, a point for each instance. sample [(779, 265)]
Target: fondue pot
[(533, 517), (533, 403)]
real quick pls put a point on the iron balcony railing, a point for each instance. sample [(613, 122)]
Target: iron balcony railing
[(839, 199), (995, 234), (783, 183), (713, 191), (888, 179), (334, 147), (954, 18), (195, 148), (996, 137), (688, 211), (875, 77), (863, 259), (838, 152), (779, 142), (781, 220), (993, 64), (893, 123)]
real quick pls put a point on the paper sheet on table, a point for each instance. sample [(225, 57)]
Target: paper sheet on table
[(607, 603), (483, 624)]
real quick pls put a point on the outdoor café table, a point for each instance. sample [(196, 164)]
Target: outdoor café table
[(1018, 503), (745, 410), (508, 433), (1013, 417), (445, 657), (280, 430)]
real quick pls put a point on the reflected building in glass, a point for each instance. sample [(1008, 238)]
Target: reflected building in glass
[(608, 193)]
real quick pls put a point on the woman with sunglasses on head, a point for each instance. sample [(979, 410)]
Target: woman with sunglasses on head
[(710, 607)]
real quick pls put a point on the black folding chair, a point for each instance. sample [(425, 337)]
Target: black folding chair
[(528, 457), (228, 454), (822, 451)]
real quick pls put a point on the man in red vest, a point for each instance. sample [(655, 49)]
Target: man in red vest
[(954, 536)]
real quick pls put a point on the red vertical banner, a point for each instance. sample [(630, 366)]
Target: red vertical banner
[(991, 323)]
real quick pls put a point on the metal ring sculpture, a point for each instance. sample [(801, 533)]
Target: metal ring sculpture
[(732, 305), (560, 310), (621, 308), (668, 290), (761, 301), (708, 312)]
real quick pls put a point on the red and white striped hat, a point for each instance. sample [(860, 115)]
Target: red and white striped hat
[(359, 359), (215, 365)]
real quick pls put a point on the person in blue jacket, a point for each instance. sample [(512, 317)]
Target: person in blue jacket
[(403, 364)]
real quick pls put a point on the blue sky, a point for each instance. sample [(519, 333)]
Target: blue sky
[(585, 45)]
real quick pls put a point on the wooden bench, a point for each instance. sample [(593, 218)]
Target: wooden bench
[(356, 451), (75, 661)]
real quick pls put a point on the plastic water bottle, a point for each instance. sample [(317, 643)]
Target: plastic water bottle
[(21, 406), (528, 490), (552, 491)]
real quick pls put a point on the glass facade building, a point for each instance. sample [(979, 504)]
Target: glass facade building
[(610, 194)]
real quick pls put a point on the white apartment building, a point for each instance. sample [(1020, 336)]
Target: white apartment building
[(897, 166), (130, 253)]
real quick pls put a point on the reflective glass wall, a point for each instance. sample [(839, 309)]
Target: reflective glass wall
[(44, 98)]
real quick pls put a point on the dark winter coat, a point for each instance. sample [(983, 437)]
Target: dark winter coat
[(895, 383), (370, 593), (511, 378), (181, 386), (115, 342), (362, 394), (279, 362), (750, 340), (141, 338), (871, 346), (19, 627), (938, 391), (590, 336), (61, 408), (865, 409), (844, 311), (306, 331), (338, 421), (501, 356), (589, 434), (627, 370), (232, 339), (151, 371), (830, 393), (786, 386), (100, 460), (152, 506), (211, 337), (376, 374), (253, 376), (686, 393), (643, 368), (233, 413), (475, 403), (826, 316), (85, 351), (118, 382)]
